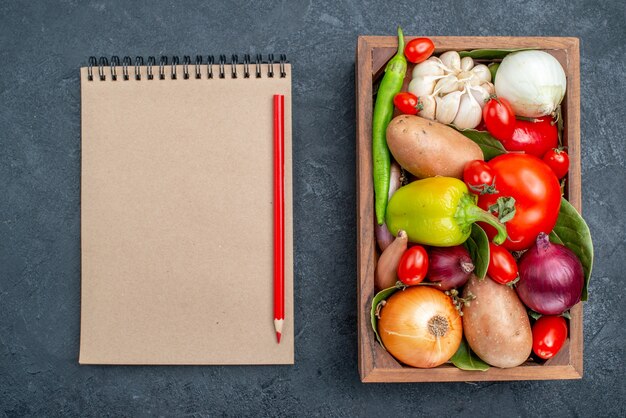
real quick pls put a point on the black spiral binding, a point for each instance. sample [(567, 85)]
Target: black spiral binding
[(102, 62)]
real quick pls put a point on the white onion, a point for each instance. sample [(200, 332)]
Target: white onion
[(532, 81)]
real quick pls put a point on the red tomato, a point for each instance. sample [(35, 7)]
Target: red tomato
[(413, 265), (537, 194), (549, 334), (499, 118), (478, 176), (406, 102), (419, 49), (502, 266), (558, 161), (533, 138)]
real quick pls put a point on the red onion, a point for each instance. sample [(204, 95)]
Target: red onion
[(551, 277), (451, 267), (383, 236)]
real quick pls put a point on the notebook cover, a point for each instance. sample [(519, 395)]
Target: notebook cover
[(176, 220)]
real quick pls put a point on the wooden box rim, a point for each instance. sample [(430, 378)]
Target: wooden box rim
[(375, 364)]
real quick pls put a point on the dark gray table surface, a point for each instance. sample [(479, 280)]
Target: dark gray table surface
[(42, 44)]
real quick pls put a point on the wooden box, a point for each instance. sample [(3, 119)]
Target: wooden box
[(375, 364)]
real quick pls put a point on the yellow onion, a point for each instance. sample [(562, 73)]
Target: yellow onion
[(420, 326)]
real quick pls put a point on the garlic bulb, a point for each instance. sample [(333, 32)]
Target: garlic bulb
[(452, 61), (468, 77), (480, 94), (422, 85), (467, 63), (446, 85), (447, 107), (482, 72), (451, 89), (428, 107), (532, 81), (428, 68), (469, 113), (489, 87)]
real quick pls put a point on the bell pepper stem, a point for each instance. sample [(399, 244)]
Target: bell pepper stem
[(472, 213)]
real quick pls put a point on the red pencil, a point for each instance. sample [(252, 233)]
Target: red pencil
[(279, 214)]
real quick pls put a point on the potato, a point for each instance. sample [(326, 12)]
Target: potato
[(427, 148), (496, 324)]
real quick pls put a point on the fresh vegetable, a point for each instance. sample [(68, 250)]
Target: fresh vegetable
[(495, 323), (383, 111), (427, 149), (572, 231), (549, 335), (533, 137), (502, 266), (383, 236), (419, 49), (413, 265), (406, 103), (499, 118), (420, 326), (537, 195), (451, 89), (387, 266), (558, 161), (437, 211), (551, 277), (449, 267), (532, 81), (478, 177)]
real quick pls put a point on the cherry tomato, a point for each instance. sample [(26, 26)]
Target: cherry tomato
[(537, 194), (558, 161), (419, 49), (478, 176), (499, 118), (533, 138), (406, 102), (549, 334), (413, 265), (502, 266)]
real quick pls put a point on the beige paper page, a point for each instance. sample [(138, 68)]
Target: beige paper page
[(176, 219)]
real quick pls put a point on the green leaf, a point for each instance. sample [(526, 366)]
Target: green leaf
[(378, 298), (489, 54), (493, 69), (465, 359), (490, 146), (478, 246), (534, 315), (572, 231)]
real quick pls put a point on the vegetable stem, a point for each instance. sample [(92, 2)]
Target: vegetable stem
[(469, 213)]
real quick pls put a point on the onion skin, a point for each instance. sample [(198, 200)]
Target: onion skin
[(383, 237), (450, 267), (420, 327), (551, 277), (387, 266)]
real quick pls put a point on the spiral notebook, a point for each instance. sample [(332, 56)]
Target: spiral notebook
[(176, 211)]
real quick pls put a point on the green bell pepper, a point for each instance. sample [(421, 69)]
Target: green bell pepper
[(438, 211)]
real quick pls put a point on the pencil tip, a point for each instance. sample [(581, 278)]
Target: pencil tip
[(278, 335)]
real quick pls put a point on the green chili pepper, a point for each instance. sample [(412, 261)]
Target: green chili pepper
[(438, 211), (383, 111)]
